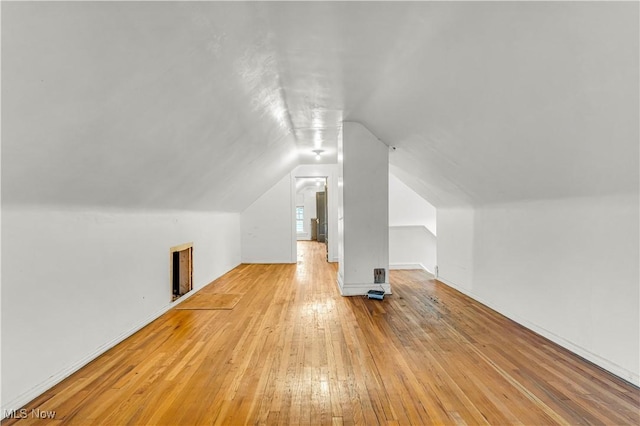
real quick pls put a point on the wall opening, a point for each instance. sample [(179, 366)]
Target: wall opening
[(412, 229), (311, 204), (181, 269)]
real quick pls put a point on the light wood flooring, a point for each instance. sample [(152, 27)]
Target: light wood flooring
[(293, 351)]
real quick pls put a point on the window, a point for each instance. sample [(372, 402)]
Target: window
[(299, 219)]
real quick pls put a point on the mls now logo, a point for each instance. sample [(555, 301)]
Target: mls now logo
[(23, 413)]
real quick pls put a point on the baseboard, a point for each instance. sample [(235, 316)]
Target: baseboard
[(611, 367), (362, 289), (38, 390), (409, 266)]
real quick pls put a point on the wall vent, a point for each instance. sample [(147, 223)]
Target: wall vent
[(378, 275)]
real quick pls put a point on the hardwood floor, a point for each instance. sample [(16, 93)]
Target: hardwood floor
[(293, 351)]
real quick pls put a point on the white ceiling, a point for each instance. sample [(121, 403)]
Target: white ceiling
[(205, 105)]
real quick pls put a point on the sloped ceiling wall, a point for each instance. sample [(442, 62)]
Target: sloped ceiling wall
[(205, 105), (140, 105), (517, 101)]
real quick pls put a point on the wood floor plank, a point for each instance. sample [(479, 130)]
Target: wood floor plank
[(293, 351), (208, 300)]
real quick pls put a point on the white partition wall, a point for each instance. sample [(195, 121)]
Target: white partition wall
[(268, 226), (363, 200)]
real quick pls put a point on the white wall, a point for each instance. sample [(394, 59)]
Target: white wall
[(412, 247), (76, 282), (363, 164), (455, 246), (268, 226), (568, 269)]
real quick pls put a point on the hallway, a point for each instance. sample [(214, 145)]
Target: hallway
[(293, 351)]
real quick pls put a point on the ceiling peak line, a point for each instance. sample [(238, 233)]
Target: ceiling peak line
[(376, 136)]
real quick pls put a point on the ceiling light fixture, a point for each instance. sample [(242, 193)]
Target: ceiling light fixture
[(318, 152)]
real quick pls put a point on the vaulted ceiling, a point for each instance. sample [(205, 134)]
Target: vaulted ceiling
[(205, 105)]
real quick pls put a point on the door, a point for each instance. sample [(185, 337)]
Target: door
[(321, 212)]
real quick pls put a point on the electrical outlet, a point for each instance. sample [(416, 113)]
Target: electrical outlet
[(378, 275)]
